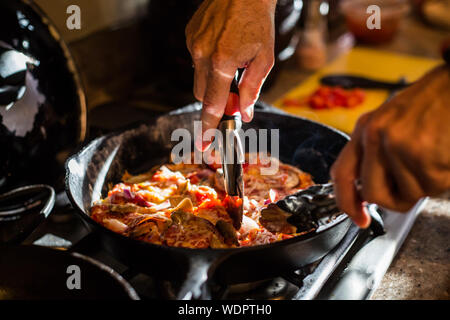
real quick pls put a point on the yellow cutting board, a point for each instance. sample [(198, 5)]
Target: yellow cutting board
[(365, 62)]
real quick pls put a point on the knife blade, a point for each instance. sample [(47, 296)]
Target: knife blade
[(232, 155)]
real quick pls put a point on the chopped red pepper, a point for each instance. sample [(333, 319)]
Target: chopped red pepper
[(328, 98), (232, 201)]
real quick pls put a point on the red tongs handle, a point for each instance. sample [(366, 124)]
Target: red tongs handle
[(232, 107)]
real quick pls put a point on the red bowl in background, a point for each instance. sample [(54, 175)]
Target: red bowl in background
[(391, 14)]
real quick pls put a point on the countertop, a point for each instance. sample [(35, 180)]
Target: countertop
[(421, 269)]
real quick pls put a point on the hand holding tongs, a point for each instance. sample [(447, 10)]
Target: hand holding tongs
[(232, 154)]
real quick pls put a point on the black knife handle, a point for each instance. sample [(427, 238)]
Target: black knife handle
[(350, 82), (234, 117), (234, 87), (232, 111)]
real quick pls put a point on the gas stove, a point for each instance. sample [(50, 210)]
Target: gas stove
[(352, 270)]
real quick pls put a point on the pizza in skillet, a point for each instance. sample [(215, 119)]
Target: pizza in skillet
[(185, 205)]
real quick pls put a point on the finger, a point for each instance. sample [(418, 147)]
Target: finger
[(376, 179), (251, 82), (200, 79), (345, 172), (214, 102)]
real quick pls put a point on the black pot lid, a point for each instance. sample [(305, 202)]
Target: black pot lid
[(42, 101)]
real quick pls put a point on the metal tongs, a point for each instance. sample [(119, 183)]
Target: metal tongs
[(309, 209), (232, 154)]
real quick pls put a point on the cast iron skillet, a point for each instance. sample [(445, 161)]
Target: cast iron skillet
[(38, 273), (310, 146)]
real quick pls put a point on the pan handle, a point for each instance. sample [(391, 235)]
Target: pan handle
[(197, 285), (376, 224), (23, 207)]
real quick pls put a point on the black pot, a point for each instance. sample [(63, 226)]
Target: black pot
[(38, 273), (42, 103)]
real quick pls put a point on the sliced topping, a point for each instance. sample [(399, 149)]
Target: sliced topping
[(259, 237), (99, 212), (273, 196), (274, 219), (213, 211), (203, 193), (248, 225), (115, 225), (167, 177), (132, 208), (185, 205), (290, 176), (228, 232), (175, 200), (160, 219), (123, 193), (148, 231), (183, 188), (203, 176), (149, 227), (152, 194), (190, 231)]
